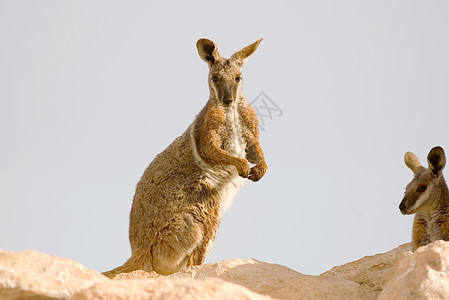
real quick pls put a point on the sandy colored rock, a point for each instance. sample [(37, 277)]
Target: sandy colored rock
[(34, 275), (3, 252), (167, 289), (370, 272), (275, 280), (138, 274), (403, 274), (423, 274)]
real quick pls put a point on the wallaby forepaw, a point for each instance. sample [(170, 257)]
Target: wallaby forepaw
[(257, 172), (244, 169)]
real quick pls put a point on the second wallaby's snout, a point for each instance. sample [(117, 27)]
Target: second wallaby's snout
[(416, 195), (410, 203), (402, 207)]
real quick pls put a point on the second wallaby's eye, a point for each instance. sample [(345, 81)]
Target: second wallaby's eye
[(238, 78), (214, 78), (422, 188)]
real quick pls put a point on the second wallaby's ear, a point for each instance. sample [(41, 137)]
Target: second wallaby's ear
[(208, 51), (412, 162), (436, 160), (242, 55)]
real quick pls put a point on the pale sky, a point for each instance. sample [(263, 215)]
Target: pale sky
[(92, 91)]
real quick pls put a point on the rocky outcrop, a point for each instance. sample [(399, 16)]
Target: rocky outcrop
[(275, 280), (35, 275), (167, 289), (370, 272), (423, 274), (263, 278), (397, 274)]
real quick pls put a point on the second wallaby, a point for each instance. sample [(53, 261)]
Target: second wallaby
[(182, 194), (427, 197)]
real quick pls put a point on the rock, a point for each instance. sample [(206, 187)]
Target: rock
[(35, 275), (3, 252), (166, 289), (275, 280), (423, 274), (403, 275), (370, 272), (139, 274)]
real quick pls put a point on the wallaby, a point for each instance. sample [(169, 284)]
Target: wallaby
[(182, 194), (427, 197)]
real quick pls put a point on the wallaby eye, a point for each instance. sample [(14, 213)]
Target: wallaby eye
[(422, 188), (238, 78), (214, 78)]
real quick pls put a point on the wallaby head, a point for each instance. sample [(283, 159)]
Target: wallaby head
[(225, 75), (424, 192)]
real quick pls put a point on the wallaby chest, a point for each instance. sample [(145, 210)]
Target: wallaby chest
[(232, 133)]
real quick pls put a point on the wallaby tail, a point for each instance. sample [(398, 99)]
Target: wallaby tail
[(125, 268)]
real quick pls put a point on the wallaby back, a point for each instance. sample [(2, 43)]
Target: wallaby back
[(182, 194)]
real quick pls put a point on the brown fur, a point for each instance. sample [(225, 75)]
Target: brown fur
[(427, 197), (180, 198)]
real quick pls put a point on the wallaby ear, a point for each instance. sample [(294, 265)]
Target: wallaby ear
[(242, 55), (412, 162), (208, 51), (436, 160)]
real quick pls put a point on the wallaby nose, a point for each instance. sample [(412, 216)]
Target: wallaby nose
[(402, 207), (227, 101), (226, 97)]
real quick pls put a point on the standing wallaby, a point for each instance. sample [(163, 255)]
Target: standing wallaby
[(427, 197), (180, 199)]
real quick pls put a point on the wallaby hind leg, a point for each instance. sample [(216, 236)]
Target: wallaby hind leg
[(198, 256), (168, 265), (174, 248)]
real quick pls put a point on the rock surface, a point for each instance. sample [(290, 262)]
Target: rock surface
[(35, 275), (423, 274), (370, 271), (397, 274), (275, 280), (167, 289), (139, 274)]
